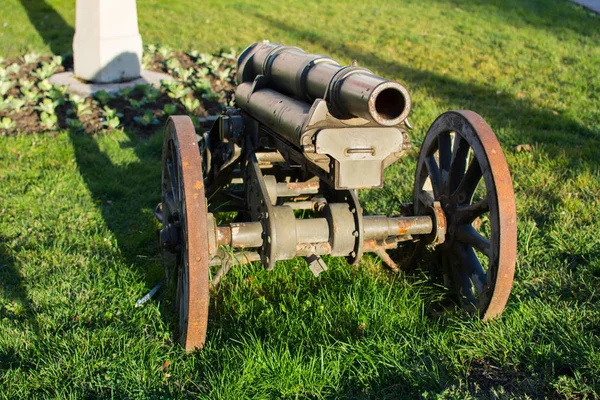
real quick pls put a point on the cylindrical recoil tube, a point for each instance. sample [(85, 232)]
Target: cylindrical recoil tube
[(281, 113), (316, 230), (349, 91)]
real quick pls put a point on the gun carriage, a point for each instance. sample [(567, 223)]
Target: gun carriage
[(306, 134)]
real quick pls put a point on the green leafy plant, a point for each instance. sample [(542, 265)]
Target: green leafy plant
[(14, 68), (5, 86), (177, 91), (16, 103), (126, 92), (57, 60), (190, 103), (215, 64), (231, 55), (205, 58), (74, 124), (146, 60), (48, 106), (48, 120), (45, 71), (111, 112), (211, 96), (32, 94), (184, 74), (170, 109), (30, 58), (202, 86), (151, 49), (76, 99), (165, 52), (7, 123), (44, 85), (57, 93), (111, 118), (193, 53), (137, 104), (3, 73), (172, 64), (26, 84), (83, 108), (202, 72), (146, 119), (103, 97), (223, 74), (152, 94)]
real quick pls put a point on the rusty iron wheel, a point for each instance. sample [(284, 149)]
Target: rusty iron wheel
[(184, 237), (462, 166)]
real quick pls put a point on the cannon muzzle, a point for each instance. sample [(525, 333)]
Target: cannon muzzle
[(349, 91)]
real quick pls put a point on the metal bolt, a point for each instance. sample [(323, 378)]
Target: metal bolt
[(308, 148)]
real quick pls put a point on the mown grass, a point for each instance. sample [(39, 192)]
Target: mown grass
[(77, 245)]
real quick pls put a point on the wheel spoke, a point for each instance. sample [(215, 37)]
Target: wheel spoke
[(468, 184), (467, 214), (458, 165), (426, 198), (467, 234), (173, 180), (434, 174), (463, 284), (470, 266), (170, 205), (445, 157)]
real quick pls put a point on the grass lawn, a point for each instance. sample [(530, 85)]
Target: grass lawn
[(77, 231)]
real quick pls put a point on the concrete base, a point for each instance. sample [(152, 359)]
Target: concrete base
[(107, 46), (82, 88)]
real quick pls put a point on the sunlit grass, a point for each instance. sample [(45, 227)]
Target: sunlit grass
[(77, 231)]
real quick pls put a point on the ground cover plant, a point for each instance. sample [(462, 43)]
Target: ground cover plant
[(77, 231), (31, 104)]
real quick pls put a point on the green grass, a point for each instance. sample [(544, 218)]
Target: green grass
[(77, 244)]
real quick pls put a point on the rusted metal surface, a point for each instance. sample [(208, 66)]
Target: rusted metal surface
[(224, 236), (246, 235), (379, 247), (228, 260), (269, 157), (307, 249), (182, 176), (381, 227), (296, 188), (440, 223), (460, 153)]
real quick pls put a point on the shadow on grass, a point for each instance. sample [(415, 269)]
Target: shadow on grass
[(126, 195), (51, 26), (15, 307), (540, 14), (501, 110)]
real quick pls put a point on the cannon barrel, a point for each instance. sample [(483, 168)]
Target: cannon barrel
[(349, 91)]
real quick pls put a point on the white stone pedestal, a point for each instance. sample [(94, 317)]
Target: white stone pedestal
[(107, 47)]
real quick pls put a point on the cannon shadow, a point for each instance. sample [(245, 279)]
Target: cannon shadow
[(51, 26), (126, 195)]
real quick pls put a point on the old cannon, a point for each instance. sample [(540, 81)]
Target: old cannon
[(306, 134)]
